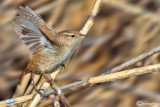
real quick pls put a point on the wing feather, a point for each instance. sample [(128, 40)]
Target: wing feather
[(30, 34), (29, 14)]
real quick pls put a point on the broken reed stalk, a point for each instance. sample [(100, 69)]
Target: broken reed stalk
[(90, 20), (91, 81)]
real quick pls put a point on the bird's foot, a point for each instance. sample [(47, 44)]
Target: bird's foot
[(60, 95), (57, 90), (41, 92)]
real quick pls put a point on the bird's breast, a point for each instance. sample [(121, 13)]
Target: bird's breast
[(47, 62)]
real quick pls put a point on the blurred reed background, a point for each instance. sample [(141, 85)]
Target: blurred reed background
[(122, 30)]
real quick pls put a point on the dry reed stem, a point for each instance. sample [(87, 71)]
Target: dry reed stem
[(124, 74), (92, 80), (22, 87), (45, 86), (90, 20), (31, 86)]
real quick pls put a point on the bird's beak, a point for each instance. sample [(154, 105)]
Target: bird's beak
[(84, 35)]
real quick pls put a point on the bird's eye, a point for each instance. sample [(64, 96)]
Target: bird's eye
[(72, 35)]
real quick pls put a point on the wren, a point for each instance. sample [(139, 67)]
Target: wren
[(50, 50)]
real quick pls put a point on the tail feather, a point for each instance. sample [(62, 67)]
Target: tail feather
[(23, 74)]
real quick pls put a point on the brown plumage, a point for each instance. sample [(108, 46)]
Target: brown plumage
[(50, 49)]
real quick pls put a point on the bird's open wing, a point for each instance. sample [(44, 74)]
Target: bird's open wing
[(30, 34), (29, 14)]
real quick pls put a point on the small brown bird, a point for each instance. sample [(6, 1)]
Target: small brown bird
[(50, 49)]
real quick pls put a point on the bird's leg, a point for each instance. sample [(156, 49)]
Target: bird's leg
[(37, 90), (56, 89)]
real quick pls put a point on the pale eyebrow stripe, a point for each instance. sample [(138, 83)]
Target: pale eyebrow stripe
[(68, 33)]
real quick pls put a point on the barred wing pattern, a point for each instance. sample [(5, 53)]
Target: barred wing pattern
[(29, 14), (30, 34)]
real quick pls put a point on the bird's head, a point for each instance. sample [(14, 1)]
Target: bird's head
[(68, 38)]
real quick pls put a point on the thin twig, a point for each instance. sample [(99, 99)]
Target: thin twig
[(134, 60), (93, 80)]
